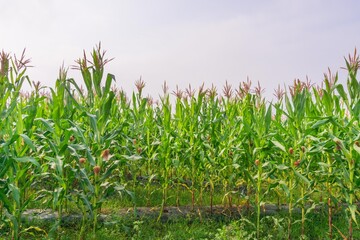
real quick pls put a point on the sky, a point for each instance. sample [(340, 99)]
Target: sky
[(185, 42)]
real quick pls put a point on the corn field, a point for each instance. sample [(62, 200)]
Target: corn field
[(75, 145)]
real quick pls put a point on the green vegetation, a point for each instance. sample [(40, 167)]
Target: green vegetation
[(190, 227), (89, 150)]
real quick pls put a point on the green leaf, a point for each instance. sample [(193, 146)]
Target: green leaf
[(320, 123), (341, 91), (47, 124), (279, 145), (313, 206), (28, 142), (27, 159), (15, 193), (268, 118), (109, 79), (58, 164), (284, 187), (86, 181), (86, 202), (56, 196), (7, 203), (20, 122), (301, 177), (33, 228), (282, 167), (353, 211), (132, 157), (109, 170), (93, 125), (11, 140), (106, 109)]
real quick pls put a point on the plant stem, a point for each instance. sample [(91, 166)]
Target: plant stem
[(258, 203), (302, 212), (329, 199), (95, 210), (290, 206), (351, 189)]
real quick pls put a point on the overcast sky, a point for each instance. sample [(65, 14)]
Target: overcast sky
[(185, 41)]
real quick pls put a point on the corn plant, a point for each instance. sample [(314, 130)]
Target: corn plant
[(18, 172), (96, 137), (347, 143), (166, 140), (79, 146)]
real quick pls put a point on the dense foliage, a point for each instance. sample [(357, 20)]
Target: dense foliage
[(73, 145)]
